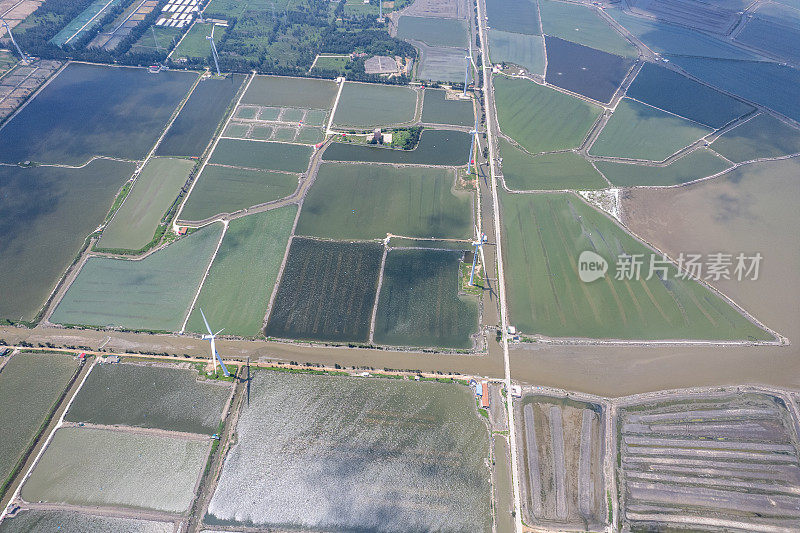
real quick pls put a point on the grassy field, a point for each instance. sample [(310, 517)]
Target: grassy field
[(541, 119), (94, 110), (155, 190), (753, 80), (641, 132), (583, 70), (243, 275), (194, 45), (513, 16), (696, 165), (327, 291), (47, 214), (335, 63), (7, 61), (160, 397), (369, 201), (99, 467), (262, 155), (30, 384), (563, 170), (583, 26), (364, 105), (434, 31), (527, 51), (163, 38), (761, 136), (435, 147), (226, 190), (665, 38), (678, 94), (151, 294), (419, 304), (191, 132), (436, 109), (305, 93), (543, 238)]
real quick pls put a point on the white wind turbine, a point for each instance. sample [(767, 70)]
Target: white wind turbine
[(214, 355)]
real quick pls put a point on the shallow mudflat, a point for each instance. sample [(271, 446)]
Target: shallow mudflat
[(163, 397), (69, 522), (342, 453)]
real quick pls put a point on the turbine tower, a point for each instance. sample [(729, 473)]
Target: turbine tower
[(474, 133), (214, 355), (214, 49), (22, 55), (380, 10), (478, 244)]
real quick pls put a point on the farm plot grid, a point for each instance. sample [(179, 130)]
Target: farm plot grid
[(287, 124), (562, 443), (728, 461), (327, 291)]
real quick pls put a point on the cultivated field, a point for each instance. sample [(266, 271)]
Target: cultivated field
[(30, 384), (541, 119), (153, 293), (94, 110), (419, 302), (728, 461), (582, 25), (155, 190), (434, 31), (364, 105), (222, 189), (637, 131), (47, 214), (583, 70), (194, 44), (192, 130), (668, 90), (261, 155), (695, 165), (343, 453), (563, 170), (327, 291), (761, 136), (562, 442), (543, 238), (71, 522), (278, 91), (101, 467), (526, 51), (368, 201), (238, 287), (514, 16), (435, 147), (439, 63), (437, 109), (158, 396)]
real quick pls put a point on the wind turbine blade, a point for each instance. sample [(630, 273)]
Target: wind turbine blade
[(224, 368), (220, 331), (206, 321)]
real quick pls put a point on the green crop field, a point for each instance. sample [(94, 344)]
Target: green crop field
[(194, 44), (262, 155), (436, 147), (259, 132), (327, 291), (543, 237), (155, 190), (434, 31), (30, 383), (637, 131), (334, 63), (582, 25), (678, 94), (436, 109), (153, 293), (562, 170), (526, 51), (101, 467), (226, 190), (541, 119), (364, 105), (695, 165), (161, 397), (162, 36), (761, 136), (518, 16), (419, 304), (239, 131), (47, 213), (238, 287), (305, 93), (310, 135), (368, 201), (756, 81)]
